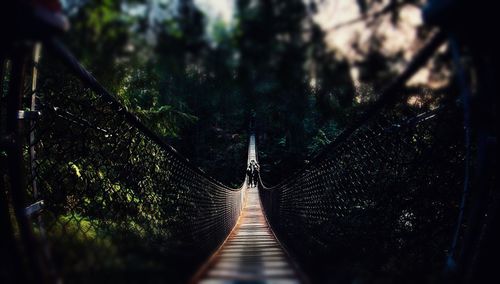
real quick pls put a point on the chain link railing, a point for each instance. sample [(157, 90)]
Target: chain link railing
[(109, 199), (379, 204)]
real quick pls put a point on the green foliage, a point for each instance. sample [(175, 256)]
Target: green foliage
[(165, 120), (140, 93), (190, 86), (191, 80)]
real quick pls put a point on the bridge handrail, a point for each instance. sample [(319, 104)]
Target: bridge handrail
[(389, 95), (363, 195), (105, 190), (86, 77)]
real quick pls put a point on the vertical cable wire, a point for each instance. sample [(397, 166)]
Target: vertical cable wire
[(451, 264)]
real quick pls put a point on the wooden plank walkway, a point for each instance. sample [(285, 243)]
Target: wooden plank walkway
[(251, 254)]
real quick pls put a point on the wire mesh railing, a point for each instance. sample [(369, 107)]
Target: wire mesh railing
[(108, 198), (379, 204)]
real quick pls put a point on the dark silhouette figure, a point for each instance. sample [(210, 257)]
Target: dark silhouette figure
[(249, 174), (253, 173)]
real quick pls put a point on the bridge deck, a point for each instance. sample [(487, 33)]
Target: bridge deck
[(251, 254)]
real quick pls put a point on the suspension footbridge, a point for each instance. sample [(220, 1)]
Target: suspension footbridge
[(93, 195), (251, 253)]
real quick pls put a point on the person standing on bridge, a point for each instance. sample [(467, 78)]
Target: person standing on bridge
[(250, 174), (255, 173)]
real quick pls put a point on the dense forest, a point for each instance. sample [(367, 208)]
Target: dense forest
[(196, 81)]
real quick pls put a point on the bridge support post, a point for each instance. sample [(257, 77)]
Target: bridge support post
[(15, 148)]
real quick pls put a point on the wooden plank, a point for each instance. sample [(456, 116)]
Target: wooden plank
[(251, 252)]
